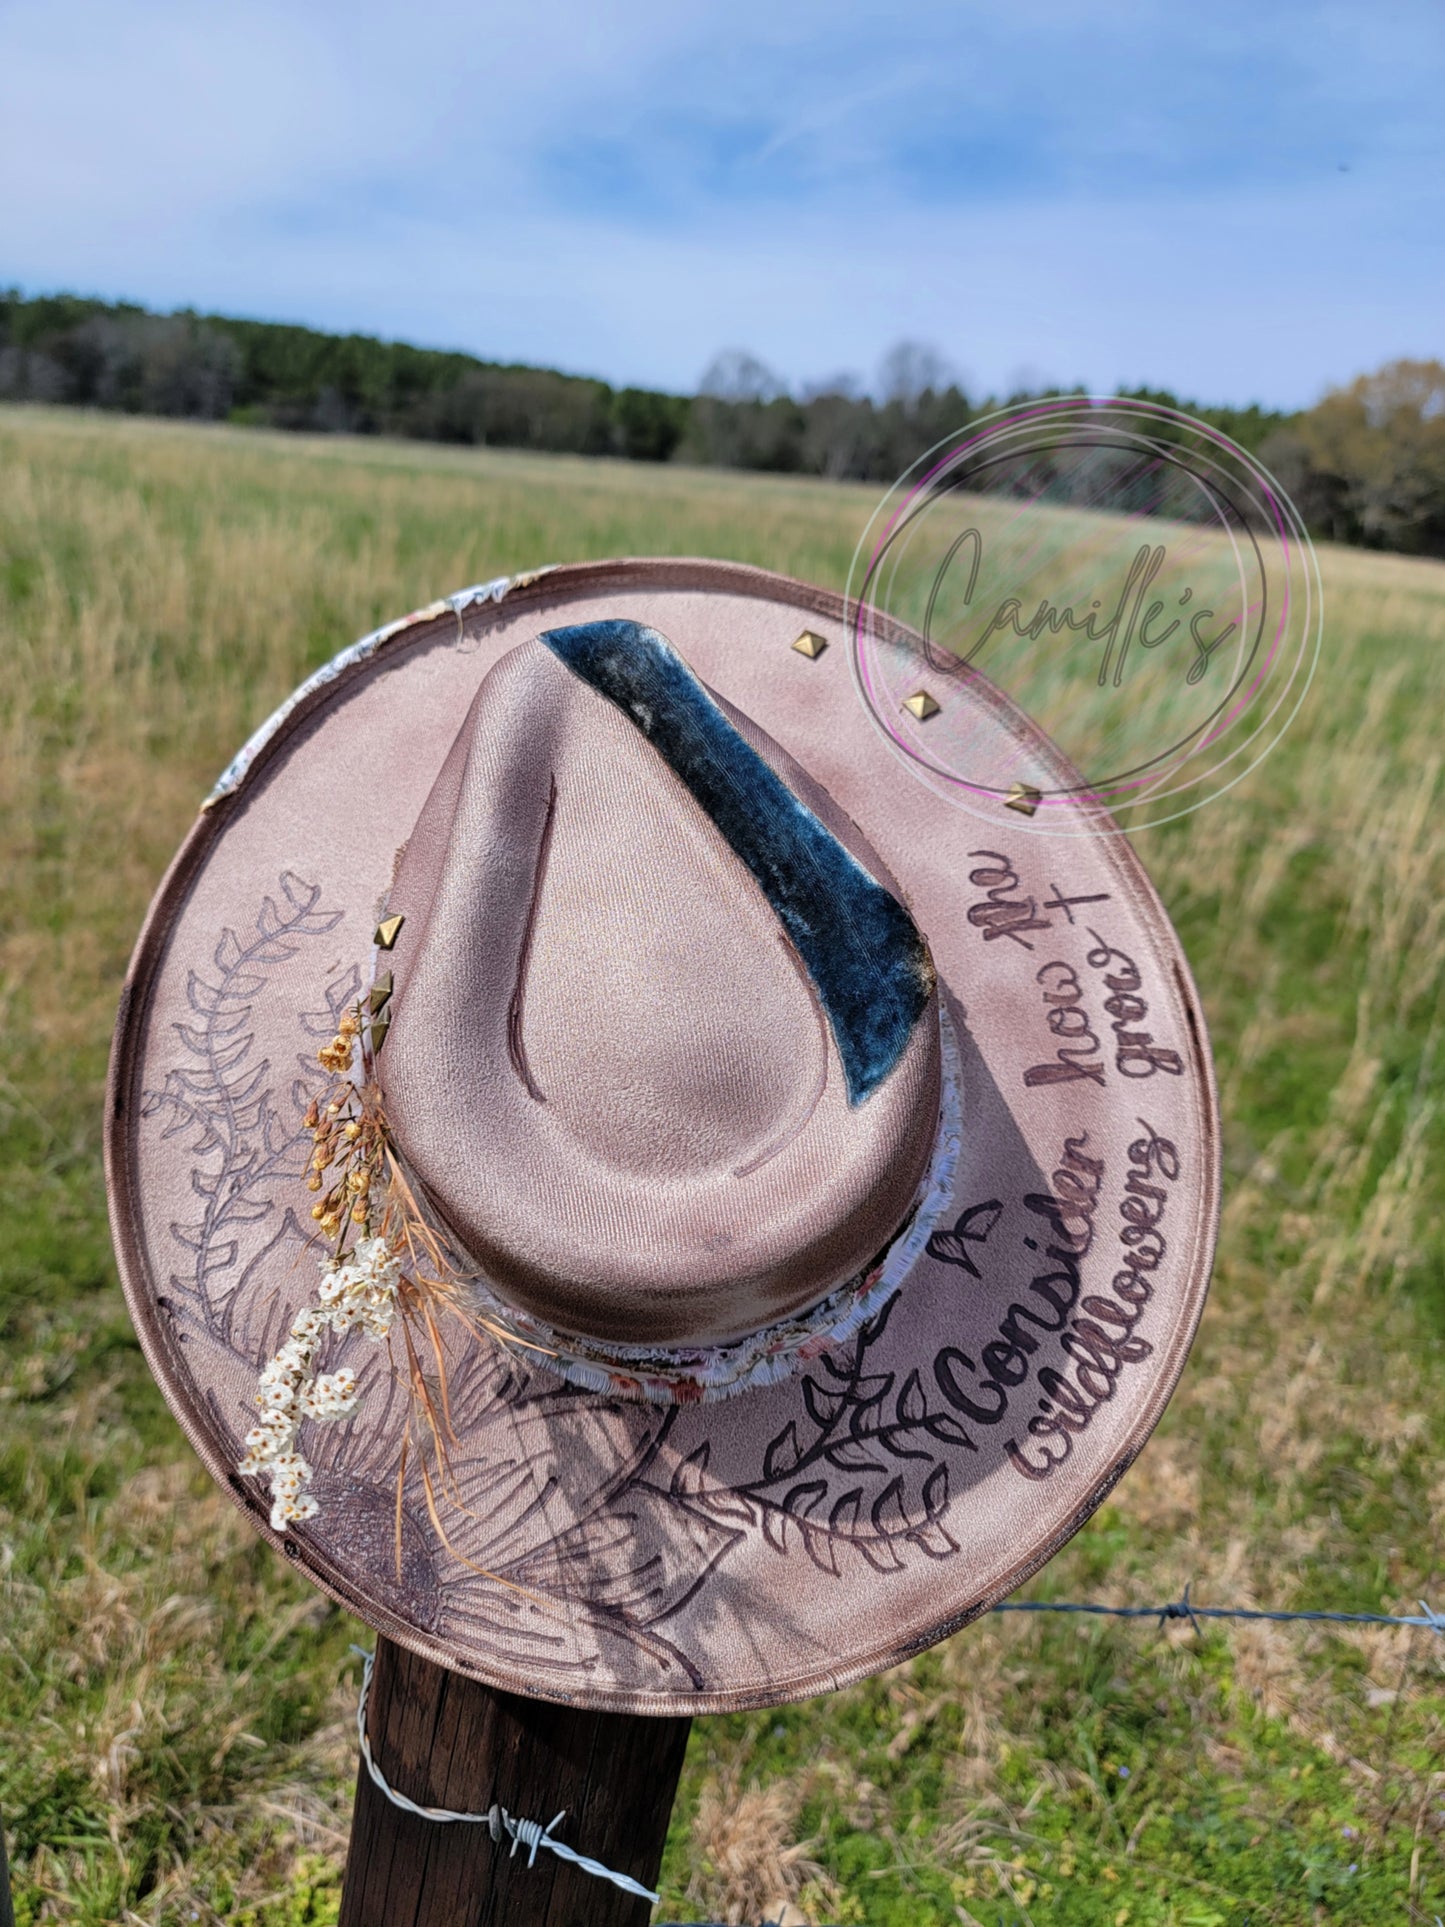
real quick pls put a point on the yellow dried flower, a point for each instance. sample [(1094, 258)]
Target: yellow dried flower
[(353, 1129), (358, 1211), (313, 1183), (318, 1211)]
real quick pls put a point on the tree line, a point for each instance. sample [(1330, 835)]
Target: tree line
[(1366, 465)]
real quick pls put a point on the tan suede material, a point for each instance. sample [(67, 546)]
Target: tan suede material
[(704, 1557), (646, 1135)]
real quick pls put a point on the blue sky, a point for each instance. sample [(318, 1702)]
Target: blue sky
[(1238, 202)]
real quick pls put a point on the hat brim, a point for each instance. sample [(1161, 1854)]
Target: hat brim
[(695, 1558)]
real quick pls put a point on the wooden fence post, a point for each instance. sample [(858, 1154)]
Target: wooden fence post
[(445, 1741)]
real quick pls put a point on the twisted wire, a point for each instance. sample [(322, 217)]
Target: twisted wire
[(1184, 1608), (502, 1825)]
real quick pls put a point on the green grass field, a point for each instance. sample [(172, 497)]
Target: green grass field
[(175, 1705)]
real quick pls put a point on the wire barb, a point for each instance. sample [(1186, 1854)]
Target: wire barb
[(502, 1825)]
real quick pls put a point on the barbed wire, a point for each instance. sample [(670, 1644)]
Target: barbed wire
[(1184, 1608), (532, 1835), (501, 1824)]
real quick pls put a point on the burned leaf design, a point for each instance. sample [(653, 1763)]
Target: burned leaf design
[(971, 1227), (242, 1144), (853, 1434)]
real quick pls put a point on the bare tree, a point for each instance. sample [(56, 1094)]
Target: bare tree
[(738, 375), (912, 369), (844, 385)]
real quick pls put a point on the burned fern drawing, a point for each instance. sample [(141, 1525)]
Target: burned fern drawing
[(222, 1101)]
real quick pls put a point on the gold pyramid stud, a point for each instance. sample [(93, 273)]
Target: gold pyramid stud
[(811, 645), (378, 1033), (921, 705), (380, 994), (1023, 799), (387, 932)]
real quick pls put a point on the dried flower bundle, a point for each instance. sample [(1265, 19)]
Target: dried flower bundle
[(386, 1274)]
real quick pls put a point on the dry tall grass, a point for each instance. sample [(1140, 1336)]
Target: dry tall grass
[(174, 1703)]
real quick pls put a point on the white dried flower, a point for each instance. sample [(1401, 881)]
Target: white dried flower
[(357, 1291), (287, 1511), (330, 1395)]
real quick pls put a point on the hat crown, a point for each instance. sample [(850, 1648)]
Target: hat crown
[(664, 1052)]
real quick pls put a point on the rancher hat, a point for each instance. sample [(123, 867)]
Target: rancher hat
[(747, 1213)]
